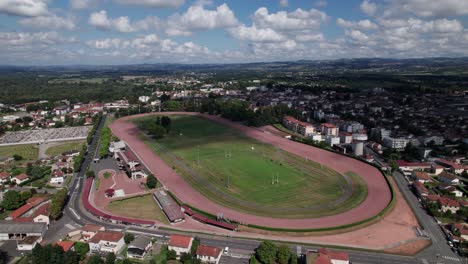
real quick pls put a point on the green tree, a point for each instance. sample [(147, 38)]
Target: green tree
[(283, 255), (171, 255), (57, 203), (17, 157), (293, 259), (196, 242), (166, 123), (25, 195), (129, 237), (151, 181), (95, 259), (90, 174), (12, 200), (81, 249), (253, 260), (36, 172), (110, 258), (71, 257), (126, 261), (266, 252)]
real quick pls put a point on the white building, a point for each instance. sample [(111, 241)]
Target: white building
[(106, 242), (329, 129), (180, 244), (332, 140), (395, 143), (143, 99), (209, 254)]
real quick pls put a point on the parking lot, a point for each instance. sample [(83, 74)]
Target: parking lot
[(45, 135)]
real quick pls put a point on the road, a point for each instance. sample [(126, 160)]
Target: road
[(75, 215)]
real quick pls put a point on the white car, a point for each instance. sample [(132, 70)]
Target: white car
[(226, 250)]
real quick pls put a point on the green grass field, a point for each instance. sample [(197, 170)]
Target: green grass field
[(28, 151), (64, 147), (238, 172), (142, 207)]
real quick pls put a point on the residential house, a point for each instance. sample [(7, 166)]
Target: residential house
[(450, 189), (411, 166), (18, 179), (325, 256), (4, 177), (420, 189), (139, 247), (448, 178), (209, 254), (297, 126), (66, 245), (57, 177), (88, 231), (107, 242), (180, 244), (449, 204), (422, 177), (329, 129), (451, 166)]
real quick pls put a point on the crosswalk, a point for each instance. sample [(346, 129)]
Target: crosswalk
[(451, 258)]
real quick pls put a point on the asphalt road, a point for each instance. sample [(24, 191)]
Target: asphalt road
[(79, 216)]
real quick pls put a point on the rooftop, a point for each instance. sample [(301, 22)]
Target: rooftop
[(111, 236), (180, 241), (16, 228), (203, 250)]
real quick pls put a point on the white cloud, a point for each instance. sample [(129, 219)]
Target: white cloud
[(369, 8), (100, 20), (83, 4), (122, 24), (357, 35), (429, 8), (17, 39), (255, 34), (24, 7), (153, 3), (310, 37), (284, 3), (107, 43), (199, 18), (49, 22), (365, 24), (297, 20)]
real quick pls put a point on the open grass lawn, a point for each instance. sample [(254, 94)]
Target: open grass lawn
[(247, 175), (27, 151), (143, 207), (64, 147)]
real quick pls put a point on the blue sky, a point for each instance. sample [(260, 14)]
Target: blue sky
[(51, 32)]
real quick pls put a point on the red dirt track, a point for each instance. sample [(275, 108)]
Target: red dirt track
[(378, 197)]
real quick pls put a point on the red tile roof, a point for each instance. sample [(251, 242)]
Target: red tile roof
[(20, 211), (36, 200), (21, 176), (180, 241), (293, 120), (111, 236), (447, 176), (42, 210), (444, 201), (23, 220), (334, 255), (328, 125), (403, 163), (203, 250), (420, 187), (422, 175), (4, 175), (66, 245)]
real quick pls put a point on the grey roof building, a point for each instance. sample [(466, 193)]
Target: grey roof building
[(17, 231), (138, 247)]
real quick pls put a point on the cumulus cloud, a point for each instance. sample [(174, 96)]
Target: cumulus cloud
[(255, 34), (52, 22), (29, 8), (310, 37), (82, 4), (428, 8), (357, 35), (297, 20), (101, 21), (198, 18), (369, 8), (153, 3), (365, 24), (284, 3)]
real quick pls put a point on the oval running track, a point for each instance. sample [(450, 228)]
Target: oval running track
[(378, 197)]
